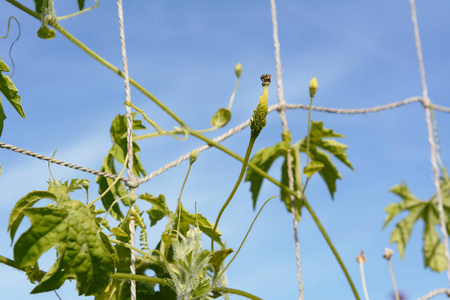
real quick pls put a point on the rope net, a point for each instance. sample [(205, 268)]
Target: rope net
[(133, 183)]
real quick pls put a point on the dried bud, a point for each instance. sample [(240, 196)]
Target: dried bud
[(388, 253), (238, 70), (361, 258), (313, 86)]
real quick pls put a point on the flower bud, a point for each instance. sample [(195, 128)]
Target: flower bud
[(85, 184), (388, 253), (258, 121), (238, 70), (313, 86), (361, 258), (193, 156)]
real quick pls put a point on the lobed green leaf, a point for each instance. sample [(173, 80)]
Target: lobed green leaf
[(83, 251), (433, 249)]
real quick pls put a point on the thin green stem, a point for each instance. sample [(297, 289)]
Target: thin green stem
[(309, 132), (298, 173), (79, 12), (179, 199), (331, 245), (291, 192), (144, 254), (101, 60), (161, 281), (114, 182), (234, 93), (240, 246), (391, 270), (13, 264), (117, 71), (25, 9), (238, 182)]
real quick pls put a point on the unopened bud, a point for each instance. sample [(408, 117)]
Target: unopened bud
[(193, 156), (238, 70), (313, 86), (85, 184), (361, 258), (388, 253)]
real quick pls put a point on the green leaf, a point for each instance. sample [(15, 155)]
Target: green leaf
[(2, 117), (9, 90), (3, 66), (83, 252), (263, 159), (313, 167), (62, 190), (159, 209), (117, 231), (218, 257), (17, 213), (433, 250), (117, 191), (329, 173), (81, 4), (205, 226), (39, 5), (221, 118)]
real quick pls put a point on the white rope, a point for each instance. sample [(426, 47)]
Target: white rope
[(435, 293), (222, 137), (130, 142), (427, 103), (282, 113), (60, 162)]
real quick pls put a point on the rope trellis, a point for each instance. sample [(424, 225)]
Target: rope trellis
[(132, 182), (224, 136)]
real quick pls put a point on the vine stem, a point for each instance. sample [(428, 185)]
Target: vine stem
[(194, 133), (238, 182), (101, 60), (291, 192), (331, 245)]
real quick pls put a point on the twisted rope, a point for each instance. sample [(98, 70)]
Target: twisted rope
[(60, 162), (224, 136), (431, 136), (282, 114), (130, 144), (435, 293)]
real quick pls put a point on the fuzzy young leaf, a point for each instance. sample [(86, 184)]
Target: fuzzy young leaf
[(433, 250), (83, 251)]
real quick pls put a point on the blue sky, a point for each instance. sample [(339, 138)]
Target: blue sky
[(362, 53)]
